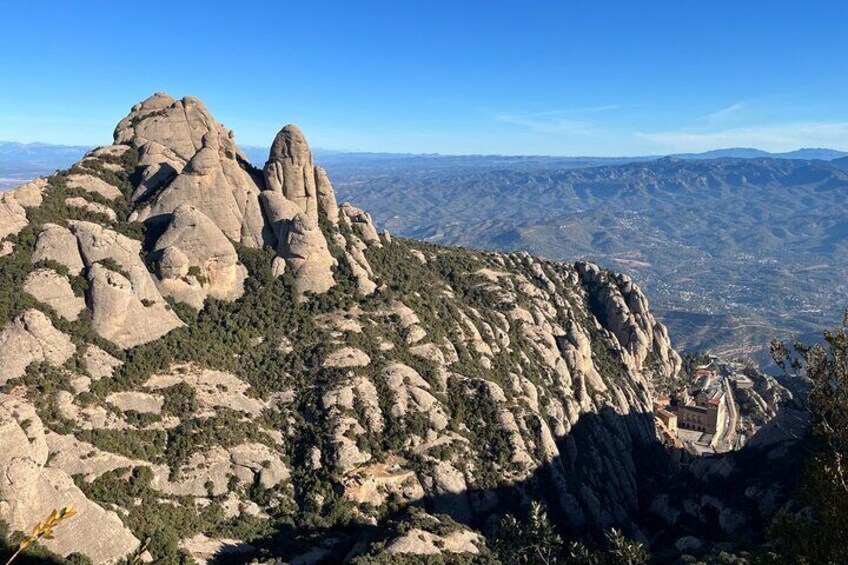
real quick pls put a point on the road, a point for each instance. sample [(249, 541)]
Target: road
[(728, 441)]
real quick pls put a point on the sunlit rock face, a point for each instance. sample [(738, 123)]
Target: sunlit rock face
[(248, 350)]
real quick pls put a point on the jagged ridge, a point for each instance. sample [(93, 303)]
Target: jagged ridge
[(239, 323)]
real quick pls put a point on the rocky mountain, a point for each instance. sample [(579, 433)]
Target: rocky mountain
[(731, 251), (205, 356)]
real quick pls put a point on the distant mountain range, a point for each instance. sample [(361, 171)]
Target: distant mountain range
[(750, 153), (22, 161)]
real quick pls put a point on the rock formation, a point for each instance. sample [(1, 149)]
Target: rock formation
[(197, 259), (432, 375), (54, 290), (186, 157), (31, 338), (13, 205), (30, 489)]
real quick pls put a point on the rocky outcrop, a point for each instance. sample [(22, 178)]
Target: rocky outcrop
[(30, 490), (326, 196), (197, 260), (57, 243), (186, 157), (31, 338), (298, 195), (126, 306), (361, 223), (346, 357), (421, 542), (623, 310), (13, 205), (205, 550), (98, 363), (54, 290), (94, 185), (214, 389), (208, 473), (120, 315), (75, 457), (93, 207), (301, 246), (291, 171), (307, 255)]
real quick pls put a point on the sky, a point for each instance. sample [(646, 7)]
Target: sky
[(602, 78)]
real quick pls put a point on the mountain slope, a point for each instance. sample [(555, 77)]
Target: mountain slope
[(207, 354), (709, 239)]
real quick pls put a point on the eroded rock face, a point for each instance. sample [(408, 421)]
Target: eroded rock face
[(188, 158), (297, 193), (204, 549), (120, 315), (361, 223), (93, 207), (13, 205), (29, 491), (214, 389), (306, 254), (421, 542), (54, 290), (31, 338), (98, 363), (623, 310), (126, 307), (57, 243), (197, 260), (208, 473), (291, 171)]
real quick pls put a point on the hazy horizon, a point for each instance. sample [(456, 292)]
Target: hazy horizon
[(341, 151)]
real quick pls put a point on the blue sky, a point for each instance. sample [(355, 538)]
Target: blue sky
[(559, 78)]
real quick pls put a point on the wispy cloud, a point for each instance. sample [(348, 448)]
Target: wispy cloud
[(560, 121), (725, 113), (573, 111), (771, 137)]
